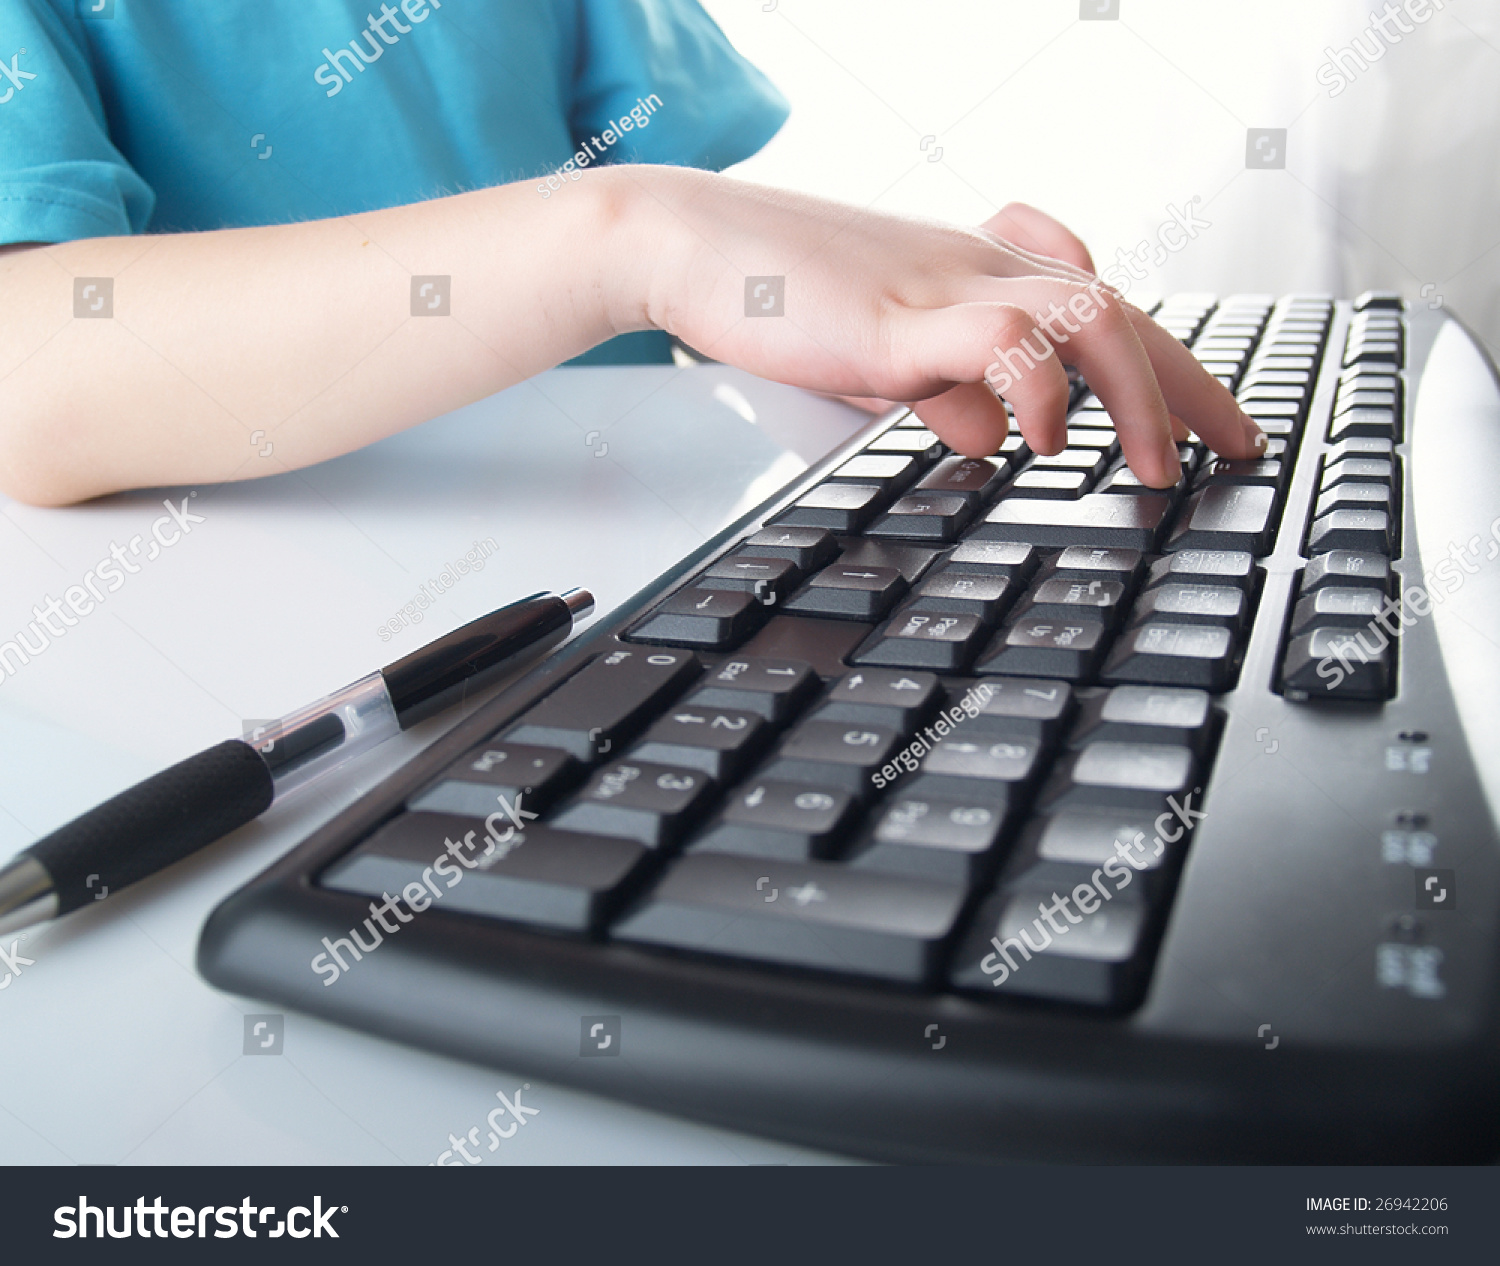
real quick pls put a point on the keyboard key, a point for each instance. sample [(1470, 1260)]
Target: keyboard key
[(1144, 714), (824, 644), (1129, 522), (838, 507), (1090, 562), (1358, 399), (1123, 480), (1374, 352), (809, 548), (720, 742), (1002, 760), (1043, 647), (925, 639), (552, 879), (637, 800), (1345, 567), (1337, 664), (1355, 496), (713, 619), (603, 705), (943, 840), (1132, 850), (514, 771), (921, 444), (1227, 517), (778, 819), (910, 560), (1363, 469), (811, 914), (1027, 708), (1360, 446), (1129, 776), (1261, 473), (1063, 485), (1091, 461), (974, 479), (987, 597), (891, 471), (1194, 604), (1063, 597), (849, 591), (1297, 378), (1216, 566), (923, 517), (833, 754), (1338, 607), (881, 696), (1274, 391), (1015, 948), (1379, 423), (1363, 531), (1093, 437), (769, 579), (1379, 300), (1173, 654), (772, 688), (1006, 558)]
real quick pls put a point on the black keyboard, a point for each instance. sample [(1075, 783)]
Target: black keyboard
[(970, 809)]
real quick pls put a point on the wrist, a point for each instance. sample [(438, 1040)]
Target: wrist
[(640, 242)]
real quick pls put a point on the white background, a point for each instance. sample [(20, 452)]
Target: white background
[(1392, 184)]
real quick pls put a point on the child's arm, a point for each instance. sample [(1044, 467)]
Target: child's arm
[(305, 331)]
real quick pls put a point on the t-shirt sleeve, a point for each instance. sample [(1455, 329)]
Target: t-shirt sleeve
[(60, 177), (704, 105)]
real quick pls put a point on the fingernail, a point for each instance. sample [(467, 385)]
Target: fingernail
[(1254, 436), (1171, 464)]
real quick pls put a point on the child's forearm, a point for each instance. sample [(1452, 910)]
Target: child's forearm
[(305, 332), (312, 334)]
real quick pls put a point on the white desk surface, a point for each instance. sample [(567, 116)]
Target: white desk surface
[(113, 1050)]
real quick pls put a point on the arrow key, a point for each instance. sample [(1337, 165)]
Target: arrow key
[(849, 591), (719, 741), (708, 618), (882, 696)]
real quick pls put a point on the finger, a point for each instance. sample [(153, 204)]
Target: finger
[(1180, 433), (869, 404), (968, 418), (949, 346), (1034, 230), (1098, 337), (1195, 395), (955, 343)]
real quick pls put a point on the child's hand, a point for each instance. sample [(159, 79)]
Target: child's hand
[(900, 309)]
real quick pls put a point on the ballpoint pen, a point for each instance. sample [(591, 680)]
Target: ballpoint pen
[(205, 797)]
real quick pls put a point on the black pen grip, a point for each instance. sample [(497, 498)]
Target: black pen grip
[(155, 823)]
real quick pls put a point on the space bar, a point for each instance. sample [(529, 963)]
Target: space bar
[(1103, 519)]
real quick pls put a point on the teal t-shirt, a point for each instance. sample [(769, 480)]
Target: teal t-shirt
[(140, 116)]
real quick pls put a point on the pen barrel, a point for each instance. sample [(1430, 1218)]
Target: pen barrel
[(439, 675), (155, 823)]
